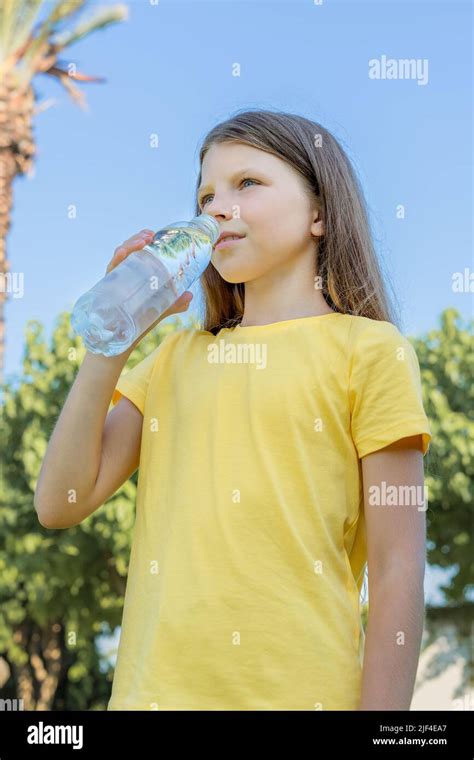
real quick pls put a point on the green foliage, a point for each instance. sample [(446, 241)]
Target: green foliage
[(60, 590), (64, 586), (447, 369)]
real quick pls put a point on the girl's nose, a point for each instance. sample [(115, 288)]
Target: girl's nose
[(221, 208)]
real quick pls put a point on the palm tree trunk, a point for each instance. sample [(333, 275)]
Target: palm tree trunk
[(17, 149), (7, 174)]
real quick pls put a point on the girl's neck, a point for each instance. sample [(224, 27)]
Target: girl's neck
[(289, 293), (264, 316)]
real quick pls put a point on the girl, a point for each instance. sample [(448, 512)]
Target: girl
[(276, 447)]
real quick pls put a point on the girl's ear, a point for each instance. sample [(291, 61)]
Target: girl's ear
[(317, 228)]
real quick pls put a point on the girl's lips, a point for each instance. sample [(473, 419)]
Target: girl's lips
[(227, 241)]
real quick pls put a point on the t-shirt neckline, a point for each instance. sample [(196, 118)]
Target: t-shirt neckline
[(282, 322)]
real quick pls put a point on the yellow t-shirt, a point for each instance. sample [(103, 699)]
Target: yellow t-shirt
[(249, 544)]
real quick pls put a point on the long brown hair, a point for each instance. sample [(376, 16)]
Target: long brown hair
[(346, 260)]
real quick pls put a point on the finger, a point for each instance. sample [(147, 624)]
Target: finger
[(143, 235), (135, 243), (122, 252)]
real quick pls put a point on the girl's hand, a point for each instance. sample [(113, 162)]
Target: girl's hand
[(136, 243)]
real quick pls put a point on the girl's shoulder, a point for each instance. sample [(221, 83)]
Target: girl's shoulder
[(360, 333), (376, 327), (375, 335)]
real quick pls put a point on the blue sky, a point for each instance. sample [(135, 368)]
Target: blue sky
[(169, 72)]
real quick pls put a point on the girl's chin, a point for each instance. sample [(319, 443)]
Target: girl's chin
[(232, 279), (234, 270), (235, 275)]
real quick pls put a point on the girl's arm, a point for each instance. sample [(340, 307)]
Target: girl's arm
[(90, 453), (396, 541)]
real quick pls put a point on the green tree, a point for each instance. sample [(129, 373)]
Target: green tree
[(447, 369), (59, 589), (446, 362)]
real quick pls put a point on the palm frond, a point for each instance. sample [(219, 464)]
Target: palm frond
[(75, 93), (61, 66), (100, 20), (16, 22), (17, 19), (40, 42), (38, 50)]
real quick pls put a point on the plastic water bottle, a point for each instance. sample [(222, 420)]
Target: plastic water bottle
[(122, 305)]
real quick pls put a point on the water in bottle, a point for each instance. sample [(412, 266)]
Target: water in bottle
[(131, 297)]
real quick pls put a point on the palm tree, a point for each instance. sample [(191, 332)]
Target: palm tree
[(29, 47)]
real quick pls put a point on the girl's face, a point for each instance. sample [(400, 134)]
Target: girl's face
[(258, 195)]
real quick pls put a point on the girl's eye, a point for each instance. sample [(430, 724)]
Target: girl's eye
[(246, 179)]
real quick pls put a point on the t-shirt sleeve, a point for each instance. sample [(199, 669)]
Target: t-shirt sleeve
[(385, 390), (133, 384)]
